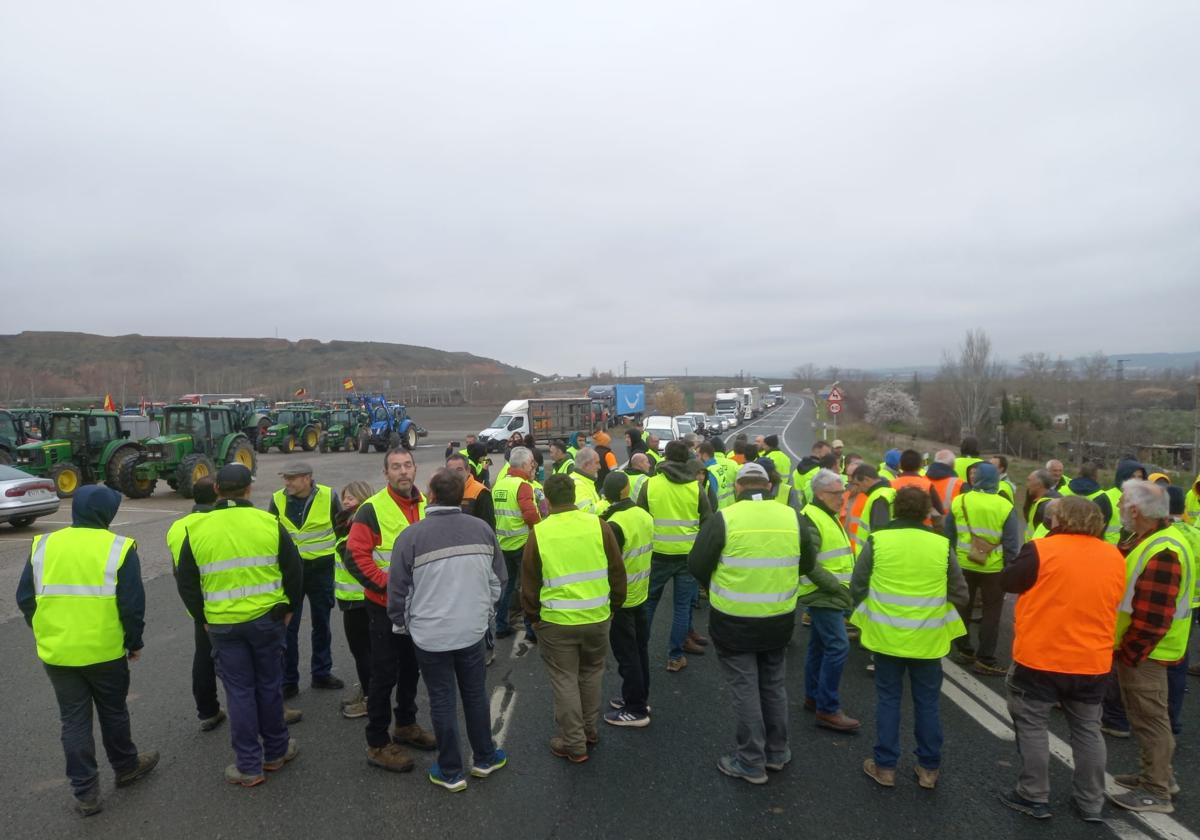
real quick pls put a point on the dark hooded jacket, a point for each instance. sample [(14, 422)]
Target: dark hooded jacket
[(95, 506), (938, 470), (987, 480), (1126, 467)]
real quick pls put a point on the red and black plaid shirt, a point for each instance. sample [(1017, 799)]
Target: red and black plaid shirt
[(1154, 597)]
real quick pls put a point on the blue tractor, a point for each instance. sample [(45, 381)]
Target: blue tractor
[(390, 425)]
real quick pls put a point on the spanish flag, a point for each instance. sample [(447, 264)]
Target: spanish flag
[(109, 405), (301, 392), (348, 384)]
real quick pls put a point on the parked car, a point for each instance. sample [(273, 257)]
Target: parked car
[(25, 497), (662, 427)]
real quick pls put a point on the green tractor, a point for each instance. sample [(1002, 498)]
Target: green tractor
[(340, 429), (196, 441), (295, 425), (12, 436), (83, 447)]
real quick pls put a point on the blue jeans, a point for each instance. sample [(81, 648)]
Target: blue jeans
[(466, 671), (77, 689), (828, 648), (663, 568), (512, 561), (249, 659), (318, 587), (925, 677)]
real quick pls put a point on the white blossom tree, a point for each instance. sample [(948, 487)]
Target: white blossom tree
[(889, 404)]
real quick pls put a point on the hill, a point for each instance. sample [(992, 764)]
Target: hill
[(47, 365)]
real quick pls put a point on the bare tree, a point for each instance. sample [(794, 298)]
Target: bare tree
[(971, 375)]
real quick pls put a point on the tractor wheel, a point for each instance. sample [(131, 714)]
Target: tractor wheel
[(262, 444), (410, 438), (190, 470), (66, 478), (130, 484), (112, 470), (393, 440), (309, 438), (289, 445), (364, 442), (6, 458), (241, 452), (323, 442)]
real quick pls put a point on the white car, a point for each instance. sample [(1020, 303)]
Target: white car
[(24, 497)]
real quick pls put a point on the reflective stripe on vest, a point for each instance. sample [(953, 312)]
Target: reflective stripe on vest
[(637, 528), (1172, 646), (1191, 535), (510, 525), (676, 512), (345, 586), (835, 554), (236, 549), (758, 573), (586, 497), (392, 521), (574, 568), (864, 522), (315, 537), (987, 513), (906, 613), (636, 480), (76, 622)]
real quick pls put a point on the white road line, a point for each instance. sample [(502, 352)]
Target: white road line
[(502, 711), (981, 715), (1161, 824)]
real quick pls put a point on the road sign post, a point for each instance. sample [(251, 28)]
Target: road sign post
[(834, 404)]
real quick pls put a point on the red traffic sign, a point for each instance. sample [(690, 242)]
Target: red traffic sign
[(835, 407), (835, 394)]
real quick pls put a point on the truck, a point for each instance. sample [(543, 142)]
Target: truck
[(728, 404), (610, 403), (631, 401), (545, 418), (751, 403)]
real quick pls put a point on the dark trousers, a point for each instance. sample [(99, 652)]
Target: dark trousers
[(988, 585), (512, 561), (249, 659), (318, 588), (204, 676), (393, 666), (357, 625), (925, 678), (466, 670), (629, 637), (77, 688)]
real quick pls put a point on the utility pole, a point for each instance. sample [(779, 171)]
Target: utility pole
[(625, 370)]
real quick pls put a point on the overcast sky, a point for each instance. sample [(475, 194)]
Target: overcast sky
[(710, 185)]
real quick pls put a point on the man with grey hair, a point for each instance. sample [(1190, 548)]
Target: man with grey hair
[(829, 645), (943, 479), (1039, 492), (516, 513), (584, 474), (1152, 633), (1055, 468)]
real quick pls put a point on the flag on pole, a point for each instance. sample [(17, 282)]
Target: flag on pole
[(109, 405), (301, 392), (348, 384)]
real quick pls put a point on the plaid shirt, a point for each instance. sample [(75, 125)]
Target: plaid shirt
[(1154, 597)]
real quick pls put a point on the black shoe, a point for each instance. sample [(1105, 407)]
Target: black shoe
[(328, 681), (290, 691), (1086, 816), (89, 803), (531, 637), (505, 633), (1037, 810)]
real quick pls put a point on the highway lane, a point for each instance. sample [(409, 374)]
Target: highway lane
[(657, 781)]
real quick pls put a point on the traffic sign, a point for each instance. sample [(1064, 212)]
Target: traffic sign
[(835, 394), (835, 407)]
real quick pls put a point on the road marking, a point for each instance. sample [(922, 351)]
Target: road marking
[(504, 698), (981, 715), (1161, 824)]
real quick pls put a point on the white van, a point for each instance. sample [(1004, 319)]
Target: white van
[(662, 427)]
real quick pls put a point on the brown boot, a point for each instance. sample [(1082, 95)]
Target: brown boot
[(697, 638), (675, 665), (694, 648), (414, 736), (886, 776), (292, 716), (927, 778), (838, 721), (390, 757)]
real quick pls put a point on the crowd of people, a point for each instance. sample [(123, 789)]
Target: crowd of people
[(575, 551)]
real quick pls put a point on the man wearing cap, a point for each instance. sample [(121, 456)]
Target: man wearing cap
[(807, 468), (629, 635), (307, 511), (750, 556), (239, 568), (838, 448)]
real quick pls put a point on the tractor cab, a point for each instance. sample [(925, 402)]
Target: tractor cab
[(196, 441), (81, 447)]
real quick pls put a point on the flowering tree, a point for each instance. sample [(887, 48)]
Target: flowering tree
[(889, 404)]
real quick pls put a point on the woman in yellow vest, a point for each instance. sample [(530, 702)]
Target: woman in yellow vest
[(350, 599), (906, 584)]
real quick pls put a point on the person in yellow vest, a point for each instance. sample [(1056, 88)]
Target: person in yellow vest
[(751, 557), (1039, 493), (676, 500), (638, 472), (562, 462), (652, 452), (351, 598), (584, 473), (81, 592), (808, 466), (1191, 504), (573, 577), (783, 464), (729, 471), (204, 675), (1070, 584), (1087, 485), (968, 457), (828, 645), (906, 585), (877, 495), (629, 635), (307, 510), (517, 511), (1153, 624), (392, 690), (240, 570), (978, 519), (1007, 487), (1061, 479)]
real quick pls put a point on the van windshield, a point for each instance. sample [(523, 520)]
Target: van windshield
[(661, 434), (501, 422), (727, 405)]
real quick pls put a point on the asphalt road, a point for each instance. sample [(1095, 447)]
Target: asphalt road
[(658, 781)]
